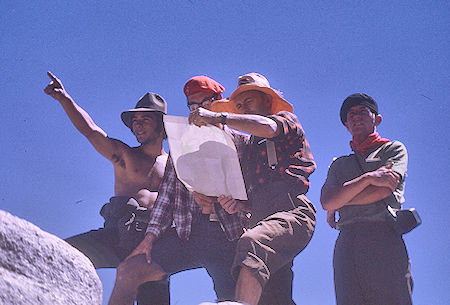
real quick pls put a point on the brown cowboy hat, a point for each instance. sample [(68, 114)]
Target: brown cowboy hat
[(253, 81), (150, 102)]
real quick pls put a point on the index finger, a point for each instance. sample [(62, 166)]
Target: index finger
[(191, 118), (397, 175), (148, 255), (52, 77), (132, 254)]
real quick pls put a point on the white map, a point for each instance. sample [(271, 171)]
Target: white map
[(205, 158)]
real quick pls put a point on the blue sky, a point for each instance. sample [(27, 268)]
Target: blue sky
[(109, 53)]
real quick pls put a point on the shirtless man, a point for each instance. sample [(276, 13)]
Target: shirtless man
[(137, 171)]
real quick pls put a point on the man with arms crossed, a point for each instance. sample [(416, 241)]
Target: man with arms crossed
[(276, 163), (137, 170), (371, 264), (202, 237)]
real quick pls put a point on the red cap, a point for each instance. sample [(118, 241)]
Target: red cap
[(203, 83)]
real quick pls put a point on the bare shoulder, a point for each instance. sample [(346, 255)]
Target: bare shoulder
[(118, 152), (120, 146)]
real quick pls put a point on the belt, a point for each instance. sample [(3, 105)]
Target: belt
[(209, 217)]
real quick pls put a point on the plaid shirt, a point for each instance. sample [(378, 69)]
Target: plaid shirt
[(176, 204), (295, 161)]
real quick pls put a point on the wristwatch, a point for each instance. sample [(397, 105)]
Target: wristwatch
[(223, 118)]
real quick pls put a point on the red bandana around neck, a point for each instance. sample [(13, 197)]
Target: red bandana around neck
[(372, 140)]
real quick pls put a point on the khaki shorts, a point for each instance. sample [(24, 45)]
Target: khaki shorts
[(275, 240)]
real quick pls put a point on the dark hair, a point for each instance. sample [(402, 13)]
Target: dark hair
[(354, 100), (159, 123)]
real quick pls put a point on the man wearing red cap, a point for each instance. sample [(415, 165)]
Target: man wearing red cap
[(201, 91), (276, 163), (138, 172), (371, 264), (201, 236)]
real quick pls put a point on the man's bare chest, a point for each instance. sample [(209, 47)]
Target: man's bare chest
[(133, 165)]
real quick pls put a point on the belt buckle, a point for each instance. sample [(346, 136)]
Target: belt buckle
[(213, 217), (140, 226)]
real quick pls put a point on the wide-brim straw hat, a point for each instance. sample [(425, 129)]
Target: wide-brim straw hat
[(253, 81), (150, 102)]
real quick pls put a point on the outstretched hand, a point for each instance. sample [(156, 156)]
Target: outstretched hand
[(145, 247), (55, 88)]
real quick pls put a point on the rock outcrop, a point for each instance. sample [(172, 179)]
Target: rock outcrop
[(39, 268)]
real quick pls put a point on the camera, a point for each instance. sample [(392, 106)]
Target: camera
[(405, 220)]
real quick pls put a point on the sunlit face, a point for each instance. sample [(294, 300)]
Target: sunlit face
[(201, 99), (361, 121), (146, 126), (253, 102)]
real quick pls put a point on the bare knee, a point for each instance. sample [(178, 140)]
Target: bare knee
[(126, 272), (137, 271)]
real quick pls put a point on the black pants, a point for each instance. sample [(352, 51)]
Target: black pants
[(207, 247), (102, 248), (371, 266)]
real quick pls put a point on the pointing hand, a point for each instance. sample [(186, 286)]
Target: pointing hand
[(55, 88)]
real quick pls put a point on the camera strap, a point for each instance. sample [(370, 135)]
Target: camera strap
[(271, 154), (272, 160)]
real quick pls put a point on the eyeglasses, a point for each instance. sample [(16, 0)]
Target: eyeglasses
[(204, 103)]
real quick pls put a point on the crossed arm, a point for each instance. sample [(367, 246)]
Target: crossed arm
[(368, 188)]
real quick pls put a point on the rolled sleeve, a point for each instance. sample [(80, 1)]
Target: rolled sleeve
[(288, 124), (398, 157), (332, 178)]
